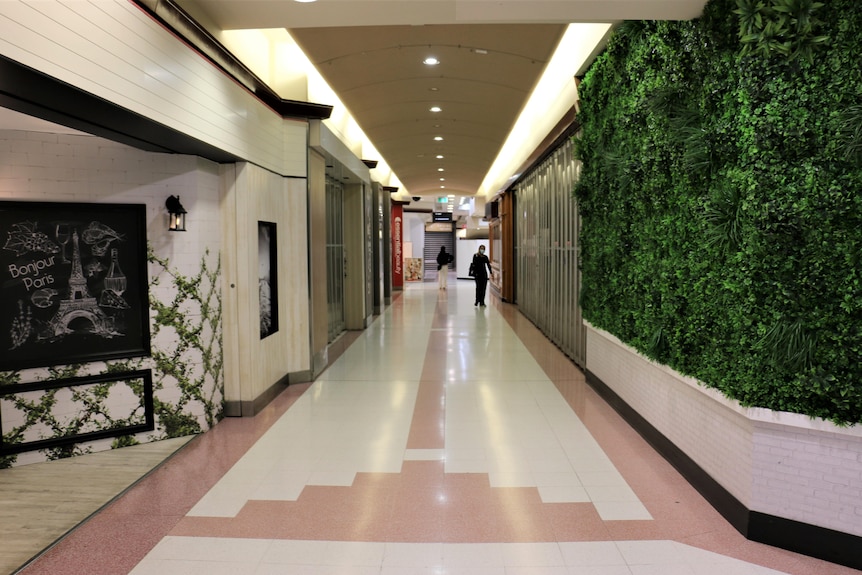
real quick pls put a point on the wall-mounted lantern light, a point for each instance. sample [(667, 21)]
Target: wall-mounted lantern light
[(177, 213)]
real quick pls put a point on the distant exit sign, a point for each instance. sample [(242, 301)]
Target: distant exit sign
[(443, 200)]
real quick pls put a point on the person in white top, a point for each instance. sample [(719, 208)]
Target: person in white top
[(443, 260)]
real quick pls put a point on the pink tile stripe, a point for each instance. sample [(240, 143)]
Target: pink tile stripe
[(429, 416)]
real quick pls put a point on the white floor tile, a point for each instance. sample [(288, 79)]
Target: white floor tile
[(424, 454), (582, 553), (563, 494), (466, 466), (186, 567), (472, 555), (661, 569), (622, 510), (537, 570), (532, 555), (354, 553), (511, 479), (332, 478), (611, 492), (600, 570), (545, 479), (209, 549), (287, 552), (426, 555), (653, 552)]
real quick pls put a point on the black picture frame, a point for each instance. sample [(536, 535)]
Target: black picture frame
[(73, 283), (143, 377), (267, 254)]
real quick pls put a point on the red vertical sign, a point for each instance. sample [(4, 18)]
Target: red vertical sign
[(397, 239)]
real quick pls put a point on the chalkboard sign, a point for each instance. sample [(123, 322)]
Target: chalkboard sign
[(73, 283)]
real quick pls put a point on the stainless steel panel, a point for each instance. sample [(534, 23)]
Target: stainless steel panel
[(546, 237)]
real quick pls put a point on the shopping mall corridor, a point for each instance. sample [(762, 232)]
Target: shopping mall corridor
[(444, 439)]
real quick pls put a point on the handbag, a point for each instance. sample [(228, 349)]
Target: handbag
[(472, 271)]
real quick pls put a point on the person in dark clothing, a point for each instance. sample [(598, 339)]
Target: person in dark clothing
[(481, 272), (443, 260)]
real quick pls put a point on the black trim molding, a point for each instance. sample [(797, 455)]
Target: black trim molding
[(820, 542), (144, 377), (31, 92)]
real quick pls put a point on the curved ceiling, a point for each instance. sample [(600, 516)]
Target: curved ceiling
[(491, 54), (484, 75)]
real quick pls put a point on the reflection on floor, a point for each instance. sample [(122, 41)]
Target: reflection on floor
[(445, 439)]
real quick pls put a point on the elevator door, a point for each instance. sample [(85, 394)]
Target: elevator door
[(335, 256)]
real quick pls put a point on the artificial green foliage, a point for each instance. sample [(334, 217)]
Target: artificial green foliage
[(13, 436), (784, 27), (721, 201), (194, 361), (850, 137)]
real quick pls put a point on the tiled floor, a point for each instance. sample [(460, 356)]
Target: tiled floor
[(445, 439)]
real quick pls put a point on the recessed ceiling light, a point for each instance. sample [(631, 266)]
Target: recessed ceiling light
[(304, 1), (430, 61), (438, 138), (436, 109), (440, 170), (434, 89), (442, 187), (442, 179), (439, 156)]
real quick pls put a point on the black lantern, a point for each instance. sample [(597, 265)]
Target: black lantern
[(178, 214)]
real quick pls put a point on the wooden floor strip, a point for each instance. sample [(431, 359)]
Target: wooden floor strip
[(41, 502)]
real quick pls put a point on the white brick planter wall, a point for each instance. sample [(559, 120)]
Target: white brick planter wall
[(779, 464)]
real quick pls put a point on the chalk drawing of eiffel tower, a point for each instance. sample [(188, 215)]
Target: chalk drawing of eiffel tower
[(79, 304)]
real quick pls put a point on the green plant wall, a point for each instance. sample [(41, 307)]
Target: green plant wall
[(721, 200)]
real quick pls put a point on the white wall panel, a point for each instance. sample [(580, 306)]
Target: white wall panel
[(112, 49), (252, 194), (782, 464)]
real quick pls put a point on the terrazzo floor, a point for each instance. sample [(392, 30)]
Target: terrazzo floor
[(444, 439)]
